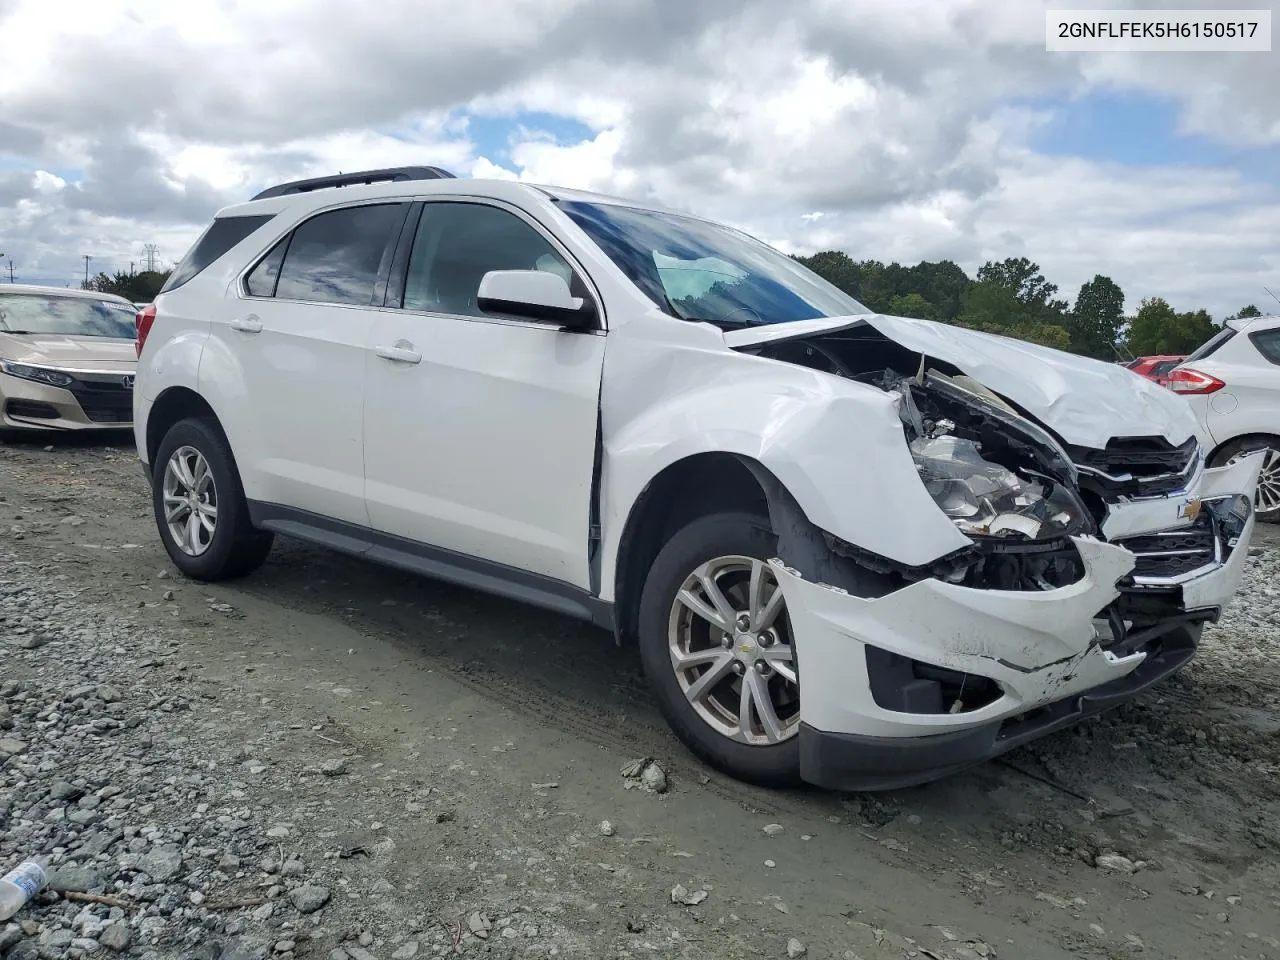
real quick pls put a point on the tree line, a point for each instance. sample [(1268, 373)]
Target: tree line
[(136, 287), (1012, 297)]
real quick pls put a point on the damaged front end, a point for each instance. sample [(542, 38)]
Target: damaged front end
[(1083, 581)]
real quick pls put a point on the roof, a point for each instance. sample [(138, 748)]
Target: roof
[(62, 292), (1241, 324), (498, 189)]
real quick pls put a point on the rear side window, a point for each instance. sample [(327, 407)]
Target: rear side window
[(336, 257), (1212, 344), (1163, 367), (223, 234), (1268, 344)]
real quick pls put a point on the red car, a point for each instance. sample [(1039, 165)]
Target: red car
[(1155, 368)]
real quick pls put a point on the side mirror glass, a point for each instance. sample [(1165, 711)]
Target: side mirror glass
[(536, 294)]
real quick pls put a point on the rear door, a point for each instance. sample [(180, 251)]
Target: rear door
[(295, 340)]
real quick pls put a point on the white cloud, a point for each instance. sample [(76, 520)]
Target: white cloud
[(882, 128)]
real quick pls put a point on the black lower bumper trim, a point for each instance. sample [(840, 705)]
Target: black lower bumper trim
[(843, 761)]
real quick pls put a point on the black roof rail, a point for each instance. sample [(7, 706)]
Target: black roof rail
[(387, 175)]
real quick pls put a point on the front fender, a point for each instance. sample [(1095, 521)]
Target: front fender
[(836, 445)]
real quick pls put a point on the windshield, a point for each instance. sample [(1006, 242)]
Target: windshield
[(66, 316), (696, 270)]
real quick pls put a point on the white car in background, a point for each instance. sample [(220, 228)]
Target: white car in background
[(1233, 385)]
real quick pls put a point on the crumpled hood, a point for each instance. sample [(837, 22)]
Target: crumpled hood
[(74, 353), (1087, 402)]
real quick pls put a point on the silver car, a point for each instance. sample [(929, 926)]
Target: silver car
[(67, 359)]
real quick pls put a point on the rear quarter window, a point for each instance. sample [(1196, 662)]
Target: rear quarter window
[(1268, 344), (1212, 345), (223, 234)]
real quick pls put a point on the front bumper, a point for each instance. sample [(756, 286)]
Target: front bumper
[(1024, 663), (96, 402)]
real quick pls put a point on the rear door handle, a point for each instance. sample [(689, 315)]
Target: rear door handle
[(249, 324), (402, 351)]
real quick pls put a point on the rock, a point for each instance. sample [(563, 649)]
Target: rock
[(479, 924), (682, 896), (309, 898), (241, 949), (10, 935), (772, 829), (162, 863), (406, 951), (606, 828), (796, 949), (12, 748), (335, 767), (654, 779), (69, 877), (115, 937), (1115, 863)]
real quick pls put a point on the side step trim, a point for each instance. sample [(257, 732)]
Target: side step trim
[(435, 562)]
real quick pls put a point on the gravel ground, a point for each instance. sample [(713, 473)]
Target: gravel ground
[(330, 759)]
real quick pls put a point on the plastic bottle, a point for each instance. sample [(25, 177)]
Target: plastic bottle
[(19, 885)]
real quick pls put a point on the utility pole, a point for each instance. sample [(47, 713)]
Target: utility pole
[(150, 252), (11, 269), (87, 258)]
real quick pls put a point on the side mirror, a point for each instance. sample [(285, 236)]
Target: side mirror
[(536, 294)]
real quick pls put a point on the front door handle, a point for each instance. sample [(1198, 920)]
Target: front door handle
[(402, 351), (249, 324)]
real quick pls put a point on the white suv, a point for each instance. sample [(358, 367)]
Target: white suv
[(1233, 385), (857, 550)]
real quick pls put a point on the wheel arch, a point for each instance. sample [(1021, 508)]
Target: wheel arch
[(1268, 438), (691, 487), (175, 404)]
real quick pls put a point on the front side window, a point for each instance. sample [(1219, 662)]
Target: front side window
[(33, 313), (335, 257), (695, 270), (458, 243)]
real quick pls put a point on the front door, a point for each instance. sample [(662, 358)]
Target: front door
[(480, 430)]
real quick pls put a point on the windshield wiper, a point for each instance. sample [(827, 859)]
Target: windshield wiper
[(20, 333)]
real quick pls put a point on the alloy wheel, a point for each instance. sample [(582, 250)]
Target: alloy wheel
[(730, 644), (190, 499), (1268, 496)]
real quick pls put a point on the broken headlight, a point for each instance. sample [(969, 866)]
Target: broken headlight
[(985, 499)]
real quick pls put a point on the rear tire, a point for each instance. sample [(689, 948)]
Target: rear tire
[(704, 703), (200, 507), (1267, 501)]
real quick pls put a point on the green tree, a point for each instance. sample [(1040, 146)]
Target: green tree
[(1012, 298), (1159, 329), (913, 305), (1245, 313), (942, 284), (1095, 322), (140, 287), (836, 267)]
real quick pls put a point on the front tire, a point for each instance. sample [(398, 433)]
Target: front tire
[(716, 645), (200, 507), (1266, 502)]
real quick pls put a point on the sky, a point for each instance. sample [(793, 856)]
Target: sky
[(904, 130)]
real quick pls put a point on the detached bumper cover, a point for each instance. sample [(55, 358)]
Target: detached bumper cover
[(846, 761), (1050, 657)]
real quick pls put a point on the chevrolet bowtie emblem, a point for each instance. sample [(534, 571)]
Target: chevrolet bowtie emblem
[(1190, 509)]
